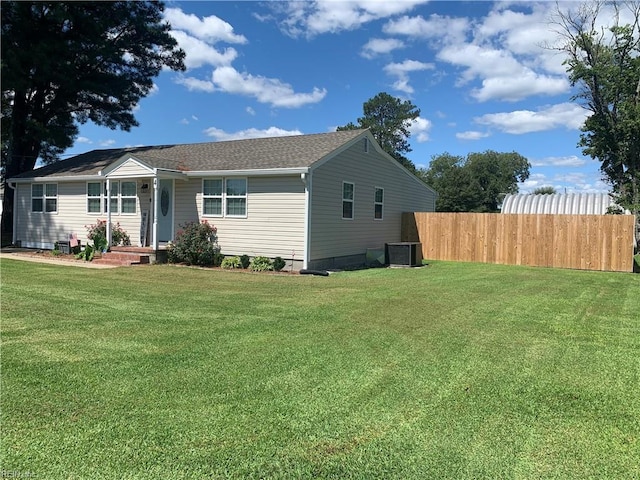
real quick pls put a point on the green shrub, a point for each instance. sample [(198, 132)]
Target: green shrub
[(245, 261), (195, 244), (261, 264), (231, 262), (98, 232), (87, 254), (278, 264)]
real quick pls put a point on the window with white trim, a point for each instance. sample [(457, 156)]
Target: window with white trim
[(212, 197), (348, 190), (236, 197), (123, 197), (366, 145), (378, 203), (224, 197), (95, 197), (114, 188), (128, 197), (44, 197)]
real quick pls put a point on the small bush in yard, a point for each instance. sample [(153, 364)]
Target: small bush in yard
[(231, 262), (278, 264), (245, 261), (98, 233), (196, 244), (261, 264)]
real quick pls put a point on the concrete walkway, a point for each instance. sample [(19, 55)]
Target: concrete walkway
[(27, 255)]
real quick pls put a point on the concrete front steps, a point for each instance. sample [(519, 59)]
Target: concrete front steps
[(125, 256)]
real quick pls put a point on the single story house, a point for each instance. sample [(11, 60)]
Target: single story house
[(318, 201)]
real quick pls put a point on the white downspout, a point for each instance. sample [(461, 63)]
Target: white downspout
[(155, 214), (306, 179), (14, 236), (108, 232)]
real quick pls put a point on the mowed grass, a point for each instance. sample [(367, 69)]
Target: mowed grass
[(460, 371)]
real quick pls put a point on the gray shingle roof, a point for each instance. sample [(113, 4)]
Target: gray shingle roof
[(253, 154)]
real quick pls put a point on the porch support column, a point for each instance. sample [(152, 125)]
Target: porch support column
[(108, 232), (154, 240)]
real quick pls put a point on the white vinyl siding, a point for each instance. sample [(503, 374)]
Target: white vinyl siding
[(274, 223), (44, 198), (42, 231), (130, 168), (331, 237)]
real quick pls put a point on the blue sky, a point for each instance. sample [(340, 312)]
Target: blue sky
[(477, 71)]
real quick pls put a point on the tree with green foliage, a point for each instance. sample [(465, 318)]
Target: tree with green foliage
[(604, 64), (547, 190), (389, 120), (477, 183), (67, 63)]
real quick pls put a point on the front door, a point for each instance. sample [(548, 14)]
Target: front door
[(165, 210)]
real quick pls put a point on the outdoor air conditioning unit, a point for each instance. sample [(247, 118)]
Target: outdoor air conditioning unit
[(404, 254)]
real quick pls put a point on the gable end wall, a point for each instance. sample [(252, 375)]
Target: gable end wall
[(336, 242)]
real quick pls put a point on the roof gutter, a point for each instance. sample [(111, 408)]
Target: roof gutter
[(61, 178), (248, 172)]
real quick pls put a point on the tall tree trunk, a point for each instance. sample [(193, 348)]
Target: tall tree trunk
[(22, 154)]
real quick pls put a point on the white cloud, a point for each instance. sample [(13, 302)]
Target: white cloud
[(221, 135), (380, 46), (199, 53), (210, 29), (402, 70), (106, 143), (250, 111), (570, 161), (420, 129), (184, 121), (195, 84), (83, 140), (312, 18), (512, 88), (263, 89), (503, 51), (567, 115), (504, 77), (472, 135), (436, 27)]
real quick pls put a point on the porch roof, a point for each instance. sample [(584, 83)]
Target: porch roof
[(288, 152)]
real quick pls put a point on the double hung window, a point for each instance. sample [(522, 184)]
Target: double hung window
[(348, 191), (224, 197), (44, 197)]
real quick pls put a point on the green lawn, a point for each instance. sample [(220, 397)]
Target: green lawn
[(449, 371)]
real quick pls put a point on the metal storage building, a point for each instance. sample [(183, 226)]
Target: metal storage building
[(568, 203)]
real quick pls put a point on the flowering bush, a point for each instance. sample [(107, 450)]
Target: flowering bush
[(98, 234), (195, 244)]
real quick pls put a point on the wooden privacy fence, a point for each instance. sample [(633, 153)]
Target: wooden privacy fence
[(586, 242)]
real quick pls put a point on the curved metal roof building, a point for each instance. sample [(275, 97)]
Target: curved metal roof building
[(568, 203)]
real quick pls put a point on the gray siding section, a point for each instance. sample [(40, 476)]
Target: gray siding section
[(275, 220), (42, 230), (336, 242)]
